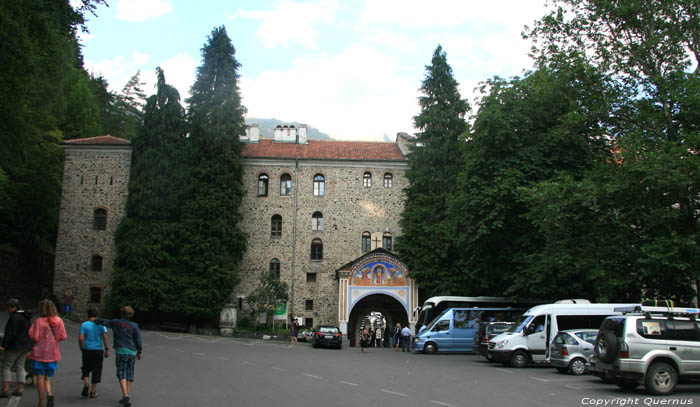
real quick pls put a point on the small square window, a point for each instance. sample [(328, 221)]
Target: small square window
[(309, 306), (95, 295), (309, 322), (310, 277)]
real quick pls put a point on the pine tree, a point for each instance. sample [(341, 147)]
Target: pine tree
[(147, 240), (213, 244), (424, 244)]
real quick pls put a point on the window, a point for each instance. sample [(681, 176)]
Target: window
[(309, 306), (316, 249), (536, 326), (310, 277), (96, 263), (240, 303), (387, 241), (388, 180), (100, 219), (366, 241), (651, 329), (309, 322), (319, 185), (367, 179), (275, 268), (683, 331), (276, 226), (95, 295), (263, 180), (285, 185), (317, 221)]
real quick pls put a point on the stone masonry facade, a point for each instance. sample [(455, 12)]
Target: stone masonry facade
[(95, 177), (349, 209)]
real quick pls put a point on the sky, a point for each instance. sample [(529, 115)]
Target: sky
[(350, 68)]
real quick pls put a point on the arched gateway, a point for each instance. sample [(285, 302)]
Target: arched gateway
[(375, 282)]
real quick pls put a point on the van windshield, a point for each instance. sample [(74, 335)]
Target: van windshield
[(520, 323)]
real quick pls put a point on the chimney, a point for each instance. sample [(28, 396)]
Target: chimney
[(292, 133), (301, 134), (253, 133), (278, 133)]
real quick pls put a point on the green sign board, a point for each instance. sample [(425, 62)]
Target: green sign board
[(281, 311)]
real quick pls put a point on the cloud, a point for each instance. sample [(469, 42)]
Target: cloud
[(389, 39), (119, 69), (355, 94), (292, 22), (179, 72), (142, 10)]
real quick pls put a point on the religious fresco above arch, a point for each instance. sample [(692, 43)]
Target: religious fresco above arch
[(378, 274)]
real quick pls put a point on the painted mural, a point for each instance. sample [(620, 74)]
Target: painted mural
[(378, 274)]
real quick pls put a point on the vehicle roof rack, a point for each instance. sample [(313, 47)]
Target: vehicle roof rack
[(663, 311)]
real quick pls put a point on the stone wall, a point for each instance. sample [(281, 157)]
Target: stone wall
[(348, 209), (94, 176)]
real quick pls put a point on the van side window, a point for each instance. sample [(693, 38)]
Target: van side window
[(461, 318), (683, 331), (537, 325), (443, 325), (651, 328)]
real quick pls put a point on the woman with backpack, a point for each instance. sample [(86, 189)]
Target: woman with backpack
[(46, 332)]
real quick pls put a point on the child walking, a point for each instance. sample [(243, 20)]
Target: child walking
[(94, 348), (46, 332), (127, 347)]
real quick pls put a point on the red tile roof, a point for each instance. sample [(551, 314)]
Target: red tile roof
[(100, 140), (325, 150)]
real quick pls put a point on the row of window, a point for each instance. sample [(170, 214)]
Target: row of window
[(319, 183), (275, 266)]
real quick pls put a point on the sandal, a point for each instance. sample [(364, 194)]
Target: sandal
[(93, 395)]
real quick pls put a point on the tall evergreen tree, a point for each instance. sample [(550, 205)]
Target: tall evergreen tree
[(213, 243), (424, 244), (147, 239)]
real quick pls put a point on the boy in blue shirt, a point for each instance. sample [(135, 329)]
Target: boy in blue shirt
[(92, 339)]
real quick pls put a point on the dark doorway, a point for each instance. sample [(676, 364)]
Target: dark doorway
[(390, 308)]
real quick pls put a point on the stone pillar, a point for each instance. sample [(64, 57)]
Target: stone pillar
[(227, 320), (343, 304)]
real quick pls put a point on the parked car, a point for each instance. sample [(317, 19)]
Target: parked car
[(572, 350), (327, 335), (653, 346), (485, 332)]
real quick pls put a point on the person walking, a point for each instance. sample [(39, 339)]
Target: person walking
[(396, 337), (293, 330), (15, 346), (378, 338), (406, 339), (127, 347), (46, 332), (94, 348), (364, 339)]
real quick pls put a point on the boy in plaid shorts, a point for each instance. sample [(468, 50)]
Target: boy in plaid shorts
[(127, 346)]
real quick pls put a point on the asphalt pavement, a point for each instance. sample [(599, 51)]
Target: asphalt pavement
[(190, 370)]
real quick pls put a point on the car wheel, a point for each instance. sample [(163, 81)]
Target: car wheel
[(606, 346), (563, 369), (489, 358), (577, 366), (661, 378), (519, 359), (430, 348), (626, 384)]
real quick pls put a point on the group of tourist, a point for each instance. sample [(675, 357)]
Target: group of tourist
[(35, 347), (400, 337)]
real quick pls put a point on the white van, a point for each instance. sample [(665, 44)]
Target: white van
[(529, 339)]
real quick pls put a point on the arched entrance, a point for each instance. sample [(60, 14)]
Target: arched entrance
[(390, 308), (375, 283)]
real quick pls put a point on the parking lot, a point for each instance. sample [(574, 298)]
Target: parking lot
[(186, 370)]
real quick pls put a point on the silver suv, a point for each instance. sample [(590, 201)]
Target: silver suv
[(653, 346)]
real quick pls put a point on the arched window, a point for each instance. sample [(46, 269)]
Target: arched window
[(263, 180), (319, 185), (275, 268), (317, 221), (100, 219), (367, 179), (388, 180), (285, 185), (387, 241), (276, 226), (366, 241), (316, 249), (96, 263)]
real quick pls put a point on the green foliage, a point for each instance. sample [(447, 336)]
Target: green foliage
[(212, 243), (147, 273), (82, 118), (268, 292), (424, 244)]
